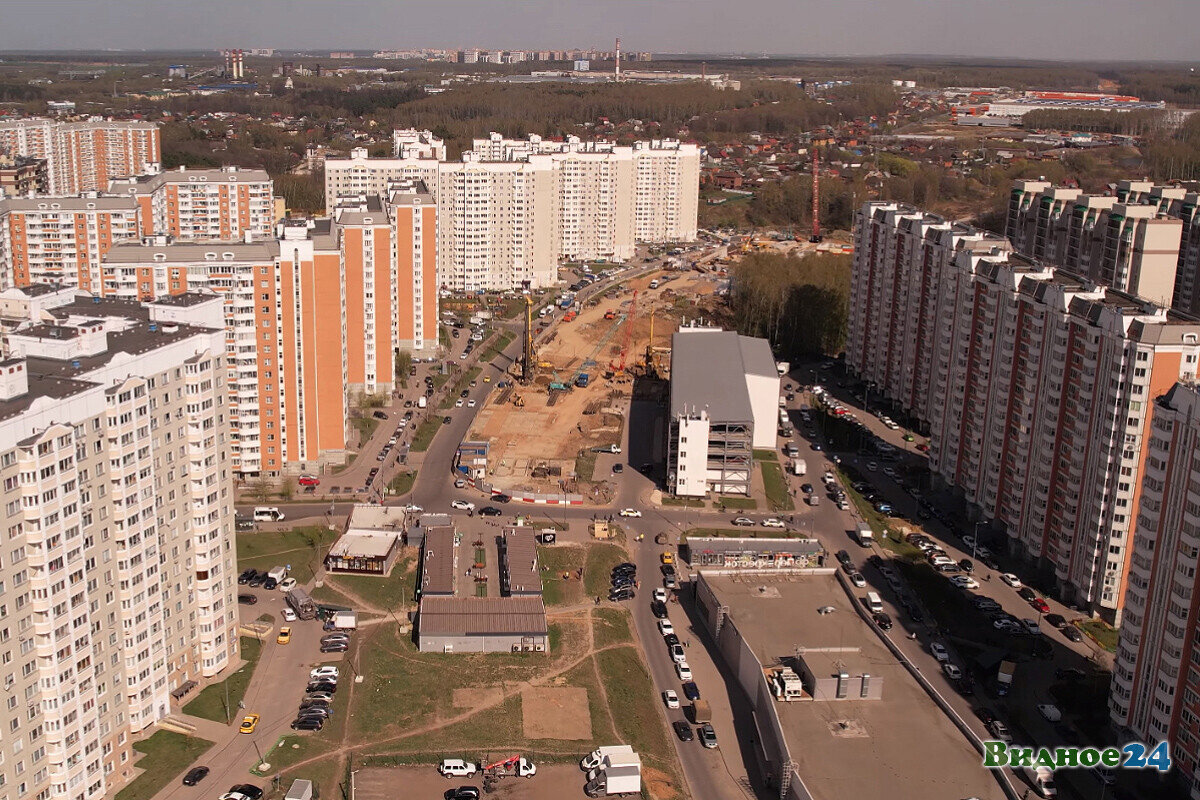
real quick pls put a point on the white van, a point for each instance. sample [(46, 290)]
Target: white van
[(874, 604), (267, 514), (422, 402)]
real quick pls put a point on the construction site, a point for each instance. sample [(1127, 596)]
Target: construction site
[(569, 391)]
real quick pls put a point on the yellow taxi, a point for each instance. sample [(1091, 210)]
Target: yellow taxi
[(487, 378), (285, 635), (249, 723), (668, 557)]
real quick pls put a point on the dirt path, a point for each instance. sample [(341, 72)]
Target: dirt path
[(612, 721)]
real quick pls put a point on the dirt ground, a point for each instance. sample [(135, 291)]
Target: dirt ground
[(542, 435), (477, 696), (553, 781), (556, 712)]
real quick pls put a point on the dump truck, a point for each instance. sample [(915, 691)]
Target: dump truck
[(1004, 677), (700, 711), (863, 534), (618, 774), (301, 603)]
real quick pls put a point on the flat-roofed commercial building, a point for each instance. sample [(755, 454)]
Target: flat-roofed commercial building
[(482, 625), (724, 397)]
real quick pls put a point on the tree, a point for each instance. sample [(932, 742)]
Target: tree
[(404, 360), (799, 303), (262, 489)]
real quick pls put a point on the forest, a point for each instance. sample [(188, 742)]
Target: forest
[(798, 303)]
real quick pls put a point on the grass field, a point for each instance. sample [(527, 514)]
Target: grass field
[(165, 756), (735, 533), (300, 547), (762, 454), (554, 562), (632, 697), (210, 703), (684, 502), (611, 626), (460, 385), (743, 503), (402, 483), (597, 572), (585, 465), (425, 433), (775, 484), (1101, 633), (497, 347)]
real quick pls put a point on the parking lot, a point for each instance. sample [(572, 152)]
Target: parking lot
[(551, 782)]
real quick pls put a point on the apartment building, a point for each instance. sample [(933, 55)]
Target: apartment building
[(724, 398), (412, 143), (1132, 240), (510, 209), (1154, 695), (223, 204), (312, 317), (119, 567), (84, 156), (63, 239), (21, 176), (1035, 385)]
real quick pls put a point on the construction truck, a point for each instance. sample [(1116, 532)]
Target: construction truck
[(513, 766), (301, 603)]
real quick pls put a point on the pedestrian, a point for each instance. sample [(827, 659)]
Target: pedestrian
[(987, 577), (688, 643)]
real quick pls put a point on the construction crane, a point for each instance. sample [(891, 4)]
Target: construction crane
[(620, 367), (816, 197), (528, 356)]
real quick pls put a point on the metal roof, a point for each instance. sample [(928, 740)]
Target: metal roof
[(482, 616), (437, 561), (708, 373)]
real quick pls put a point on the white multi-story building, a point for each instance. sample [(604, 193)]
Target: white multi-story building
[(1153, 697), (1035, 385), (412, 143), (85, 156), (511, 208), (118, 506)]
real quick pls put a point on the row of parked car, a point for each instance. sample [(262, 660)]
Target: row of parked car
[(623, 582), (316, 707)]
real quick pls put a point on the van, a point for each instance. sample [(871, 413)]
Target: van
[(277, 573), (654, 283), (267, 514), (422, 401), (874, 604)]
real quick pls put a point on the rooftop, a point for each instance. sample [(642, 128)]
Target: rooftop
[(438, 556), (356, 543), (153, 249), (520, 562), (708, 372), (851, 748), (476, 616)]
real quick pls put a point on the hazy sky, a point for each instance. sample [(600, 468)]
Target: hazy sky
[(1043, 29)]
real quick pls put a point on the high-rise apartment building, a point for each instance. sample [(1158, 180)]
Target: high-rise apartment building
[(312, 317), (1155, 695), (511, 208), (1035, 385), (21, 176), (119, 566), (85, 156), (223, 204), (1141, 239)]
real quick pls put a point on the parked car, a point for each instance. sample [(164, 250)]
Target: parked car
[(939, 651), (490, 511), (285, 635), (857, 579), (670, 698), (630, 512), (247, 599), (743, 522), (308, 724), (195, 775), (324, 673), (708, 735), (882, 620), (1072, 633), (462, 793), (691, 691), (998, 729), (309, 480), (682, 730), (462, 505), (246, 576)]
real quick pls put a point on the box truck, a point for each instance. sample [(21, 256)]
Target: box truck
[(618, 774), (863, 534)]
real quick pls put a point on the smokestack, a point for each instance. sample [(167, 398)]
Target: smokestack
[(618, 58), (241, 71), (228, 62)]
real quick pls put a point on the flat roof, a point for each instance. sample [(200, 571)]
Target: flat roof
[(721, 544), (437, 560), (364, 544), (212, 252), (708, 374), (482, 616), (520, 560), (366, 516), (851, 748)]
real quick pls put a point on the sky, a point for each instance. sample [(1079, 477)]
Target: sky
[(1120, 30)]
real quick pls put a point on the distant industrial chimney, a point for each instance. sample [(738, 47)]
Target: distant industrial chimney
[(617, 59)]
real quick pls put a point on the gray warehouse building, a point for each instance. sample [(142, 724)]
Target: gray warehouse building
[(482, 625), (724, 402)]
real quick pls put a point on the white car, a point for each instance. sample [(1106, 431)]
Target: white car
[(630, 512), (286, 585), (939, 651), (1011, 580), (323, 673), (683, 670), (458, 403), (969, 541), (952, 671), (457, 768), (665, 627), (964, 582), (857, 579), (772, 522), (471, 403), (413, 508), (1050, 712), (660, 595), (462, 505), (670, 698), (288, 614)]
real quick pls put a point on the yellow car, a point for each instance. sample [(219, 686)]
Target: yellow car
[(667, 557), (249, 723), (487, 378), (285, 635)]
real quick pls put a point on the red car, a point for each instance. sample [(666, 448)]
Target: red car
[(1040, 604), (310, 480), (923, 448)]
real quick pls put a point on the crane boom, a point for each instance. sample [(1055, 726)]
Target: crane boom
[(816, 195), (628, 331)]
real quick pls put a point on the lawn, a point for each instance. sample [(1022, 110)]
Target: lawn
[(554, 562), (765, 455), (686, 502), (597, 572), (425, 433), (302, 548), (747, 503), (402, 483), (735, 533), (632, 698), (166, 755), (1101, 633), (585, 465), (210, 703), (776, 486), (497, 347), (610, 626), (365, 426), (393, 593)]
